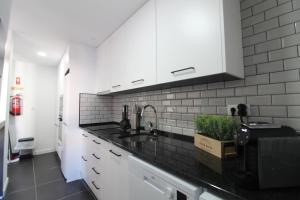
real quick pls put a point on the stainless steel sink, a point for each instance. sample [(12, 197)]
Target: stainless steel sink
[(139, 138)]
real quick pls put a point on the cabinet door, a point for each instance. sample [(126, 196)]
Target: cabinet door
[(141, 56), (119, 71), (116, 183), (188, 39), (103, 69)]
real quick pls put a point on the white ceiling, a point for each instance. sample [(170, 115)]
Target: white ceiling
[(48, 25)]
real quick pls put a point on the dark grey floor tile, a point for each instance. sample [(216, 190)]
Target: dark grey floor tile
[(85, 195), (20, 176), (23, 195), (43, 176), (59, 189), (46, 161)]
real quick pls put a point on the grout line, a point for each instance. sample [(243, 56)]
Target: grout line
[(34, 178), (21, 190), (46, 183), (70, 195)]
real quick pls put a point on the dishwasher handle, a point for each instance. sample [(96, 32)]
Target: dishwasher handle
[(153, 185)]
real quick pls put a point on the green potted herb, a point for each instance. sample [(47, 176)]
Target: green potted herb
[(215, 134)]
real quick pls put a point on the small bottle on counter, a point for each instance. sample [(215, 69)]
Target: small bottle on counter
[(135, 117)]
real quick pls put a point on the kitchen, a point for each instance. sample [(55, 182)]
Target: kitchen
[(157, 99)]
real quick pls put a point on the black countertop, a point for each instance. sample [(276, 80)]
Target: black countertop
[(181, 158)]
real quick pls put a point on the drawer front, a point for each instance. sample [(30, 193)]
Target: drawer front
[(117, 153), (95, 181), (95, 158), (84, 167), (85, 138), (96, 145)]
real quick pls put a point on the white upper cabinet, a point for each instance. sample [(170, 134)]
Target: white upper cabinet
[(141, 48), (190, 39), (172, 40), (103, 69), (118, 53)]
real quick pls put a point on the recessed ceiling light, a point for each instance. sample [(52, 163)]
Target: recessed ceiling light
[(41, 53)]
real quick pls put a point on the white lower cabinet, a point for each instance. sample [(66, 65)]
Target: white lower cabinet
[(116, 182), (104, 167)]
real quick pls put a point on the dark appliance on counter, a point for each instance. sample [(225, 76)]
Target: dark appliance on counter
[(268, 156), (125, 124)]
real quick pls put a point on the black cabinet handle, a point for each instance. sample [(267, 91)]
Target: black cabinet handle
[(95, 171), (180, 70), (115, 86), (111, 151), (84, 135), (96, 142), (140, 80), (96, 156), (93, 182), (83, 158)]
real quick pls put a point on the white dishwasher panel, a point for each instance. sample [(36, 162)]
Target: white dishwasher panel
[(148, 182)]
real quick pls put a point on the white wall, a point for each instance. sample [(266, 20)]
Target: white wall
[(6, 77), (5, 8), (82, 71), (39, 105), (82, 63), (1, 71)]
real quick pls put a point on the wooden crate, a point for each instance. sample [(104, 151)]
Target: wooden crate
[(221, 149)]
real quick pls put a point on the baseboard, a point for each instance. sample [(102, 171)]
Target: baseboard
[(5, 188), (43, 151)]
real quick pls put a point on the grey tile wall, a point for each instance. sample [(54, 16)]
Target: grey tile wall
[(271, 44), (95, 109)]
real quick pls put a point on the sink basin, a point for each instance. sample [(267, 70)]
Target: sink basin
[(139, 138)]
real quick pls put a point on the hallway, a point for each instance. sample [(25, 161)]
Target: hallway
[(40, 178)]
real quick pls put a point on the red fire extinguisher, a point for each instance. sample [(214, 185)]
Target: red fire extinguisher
[(15, 105)]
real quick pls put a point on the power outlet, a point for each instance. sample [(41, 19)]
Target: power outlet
[(236, 109)]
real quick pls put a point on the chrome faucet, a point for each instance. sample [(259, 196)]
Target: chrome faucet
[(151, 125)]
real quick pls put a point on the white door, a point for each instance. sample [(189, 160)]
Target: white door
[(188, 39), (103, 68), (141, 59)]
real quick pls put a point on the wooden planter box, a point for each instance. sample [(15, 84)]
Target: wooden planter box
[(221, 149)]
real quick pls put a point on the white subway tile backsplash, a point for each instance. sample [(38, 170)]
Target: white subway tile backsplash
[(270, 67), (266, 25), (293, 87), (285, 76), (273, 111), (289, 17), (293, 63), (281, 31), (287, 99), (253, 20), (279, 10), (246, 91), (296, 4), (285, 53), (259, 100), (268, 46), (271, 89), (258, 79), (265, 5)]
